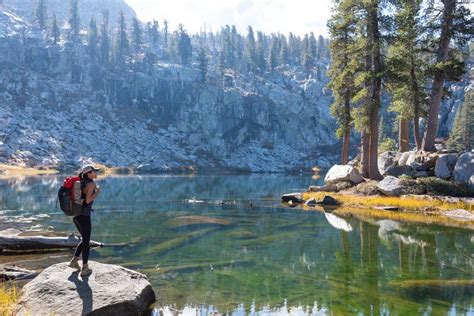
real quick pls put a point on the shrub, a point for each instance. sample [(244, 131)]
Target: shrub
[(437, 186)]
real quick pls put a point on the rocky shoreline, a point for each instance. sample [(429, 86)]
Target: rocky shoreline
[(450, 174), (435, 184)]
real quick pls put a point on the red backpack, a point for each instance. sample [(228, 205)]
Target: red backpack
[(70, 196)]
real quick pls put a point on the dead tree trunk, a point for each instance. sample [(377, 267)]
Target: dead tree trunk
[(21, 243), (9, 273)]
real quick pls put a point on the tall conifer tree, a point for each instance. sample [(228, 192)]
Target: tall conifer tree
[(41, 14)]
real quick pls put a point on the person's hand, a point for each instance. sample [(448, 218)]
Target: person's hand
[(97, 189)]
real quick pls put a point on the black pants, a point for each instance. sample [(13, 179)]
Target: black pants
[(83, 224)]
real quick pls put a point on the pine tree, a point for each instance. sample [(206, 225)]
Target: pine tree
[(55, 33), (306, 59), (273, 54), (313, 48), (294, 49), (92, 40), (203, 61), (153, 34), (283, 53), (405, 67), (184, 48), (251, 51), (462, 135), (456, 24), (122, 46), (373, 9), (74, 21), (261, 64), (104, 39), (228, 47), (368, 81), (221, 66), (342, 70), (322, 51), (137, 35), (40, 14), (165, 36)]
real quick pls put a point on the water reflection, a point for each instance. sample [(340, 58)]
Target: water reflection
[(220, 255)]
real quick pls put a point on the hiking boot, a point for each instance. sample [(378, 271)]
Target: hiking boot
[(74, 263), (85, 271)]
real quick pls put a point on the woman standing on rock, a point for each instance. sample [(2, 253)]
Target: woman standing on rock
[(90, 191)]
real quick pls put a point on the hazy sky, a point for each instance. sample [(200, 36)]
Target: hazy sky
[(270, 16)]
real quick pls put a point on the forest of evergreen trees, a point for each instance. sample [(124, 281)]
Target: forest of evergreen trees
[(409, 50), (133, 41)]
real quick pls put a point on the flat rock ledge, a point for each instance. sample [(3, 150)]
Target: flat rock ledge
[(109, 290)]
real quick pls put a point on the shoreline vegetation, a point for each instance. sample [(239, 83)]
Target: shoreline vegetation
[(10, 170), (7, 170), (8, 298), (424, 209)]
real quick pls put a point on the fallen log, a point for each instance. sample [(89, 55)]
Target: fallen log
[(19, 243), (9, 273)]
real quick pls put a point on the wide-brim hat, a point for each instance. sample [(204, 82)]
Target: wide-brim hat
[(89, 168)]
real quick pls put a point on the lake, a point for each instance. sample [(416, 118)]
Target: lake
[(225, 244)]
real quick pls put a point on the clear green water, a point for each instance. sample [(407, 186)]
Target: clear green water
[(204, 257)]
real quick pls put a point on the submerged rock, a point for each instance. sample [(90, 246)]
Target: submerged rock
[(185, 221), (292, 197), (311, 202), (109, 290), (328, 200), (339, 173), (390, 186)]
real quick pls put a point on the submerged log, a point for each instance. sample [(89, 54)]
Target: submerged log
[(8, 273), (188, 268), (178, 242), (19, 243), (432, 283)]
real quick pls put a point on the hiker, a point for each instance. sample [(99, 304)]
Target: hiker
[(90, 191)]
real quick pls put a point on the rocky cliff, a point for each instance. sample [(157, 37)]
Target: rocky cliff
[(158, 117)]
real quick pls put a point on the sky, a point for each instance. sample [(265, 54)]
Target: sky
[(269, 16)]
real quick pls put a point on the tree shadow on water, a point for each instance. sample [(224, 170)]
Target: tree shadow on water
[(84, 291)]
